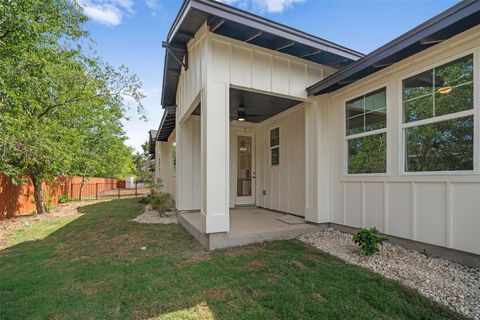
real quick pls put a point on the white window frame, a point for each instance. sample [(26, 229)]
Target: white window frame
[(276, 146), (366, 134), (475, 112)]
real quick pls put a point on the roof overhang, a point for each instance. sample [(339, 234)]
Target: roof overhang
[(167, 125), (447, 24), (240, 25), (152, 137)]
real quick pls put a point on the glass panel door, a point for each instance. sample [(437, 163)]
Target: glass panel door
[(244, 166), (245, 170)]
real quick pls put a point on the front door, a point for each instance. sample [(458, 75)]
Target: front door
[(245, 159)]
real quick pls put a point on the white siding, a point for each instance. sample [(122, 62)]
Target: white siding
[(251, 67), (284, 184), (439, 209), (164, 164)]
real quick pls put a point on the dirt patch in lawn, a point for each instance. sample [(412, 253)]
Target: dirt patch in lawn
[(240, 251), (255, 265), (219, 294), (60, 211)]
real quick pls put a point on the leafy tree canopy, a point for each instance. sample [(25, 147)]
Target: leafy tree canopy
[(61, 106)]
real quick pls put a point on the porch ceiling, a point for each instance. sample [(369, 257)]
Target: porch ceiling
[(258, 106)]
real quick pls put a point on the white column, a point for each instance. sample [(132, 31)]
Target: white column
[(157, 174), (163, 165), (215, 125), (188, 164), (317, 161)]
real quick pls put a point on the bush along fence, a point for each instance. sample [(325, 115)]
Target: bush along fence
[(16, 200)]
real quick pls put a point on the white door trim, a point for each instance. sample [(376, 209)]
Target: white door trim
[(249, 200)]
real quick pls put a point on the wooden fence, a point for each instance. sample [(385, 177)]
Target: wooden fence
[(15, 200)]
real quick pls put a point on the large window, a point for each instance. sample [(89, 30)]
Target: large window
[(438, 118), (366, 122), (275, 146)]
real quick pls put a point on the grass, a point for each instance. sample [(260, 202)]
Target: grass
[(92, 267)]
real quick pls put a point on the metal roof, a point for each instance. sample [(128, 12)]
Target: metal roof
[(447, 24), (237, 24)]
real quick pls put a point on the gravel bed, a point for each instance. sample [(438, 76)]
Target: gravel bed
[(150, 216), (451, 284)]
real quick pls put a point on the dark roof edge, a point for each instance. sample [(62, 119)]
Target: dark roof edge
[(167, 111), (238, 15), (423, 30)]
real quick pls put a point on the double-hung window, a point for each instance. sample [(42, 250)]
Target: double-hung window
[(438, 121), (366, 133), (275, 146)]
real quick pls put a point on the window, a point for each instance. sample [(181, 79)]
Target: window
[(366, 133), (438, 118), (275, 146)]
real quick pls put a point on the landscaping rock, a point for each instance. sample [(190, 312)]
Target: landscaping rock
[(150, 216), (451, 284)]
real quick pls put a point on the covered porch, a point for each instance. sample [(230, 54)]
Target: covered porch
[(247, 225)]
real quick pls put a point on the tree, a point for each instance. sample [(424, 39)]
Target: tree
[(144, 164), (60, 108)]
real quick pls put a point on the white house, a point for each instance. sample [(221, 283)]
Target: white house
[(260, 114)]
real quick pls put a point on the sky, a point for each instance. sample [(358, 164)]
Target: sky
[(131, 32)]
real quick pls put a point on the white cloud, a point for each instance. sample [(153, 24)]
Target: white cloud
[(152, 4), (272, 6), (108, 12)]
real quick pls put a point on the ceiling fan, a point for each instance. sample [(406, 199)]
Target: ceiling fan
[(242, 114)]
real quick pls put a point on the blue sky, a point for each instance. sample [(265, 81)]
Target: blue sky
[(131, 32)]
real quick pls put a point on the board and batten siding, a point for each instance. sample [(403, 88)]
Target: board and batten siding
[(436, 208), (250, 67), (284, 184), (188, 164), (164, 168)]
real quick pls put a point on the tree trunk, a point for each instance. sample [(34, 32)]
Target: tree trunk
[(38, 194), (83, 182)]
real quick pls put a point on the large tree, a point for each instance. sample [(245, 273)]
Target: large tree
[(60, 105)]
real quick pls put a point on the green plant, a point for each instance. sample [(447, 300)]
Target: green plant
[(369, 240), (160, 201), (49, 205), (63, 198)]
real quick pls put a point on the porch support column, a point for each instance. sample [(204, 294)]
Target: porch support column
[(161, 160), (188, 164), (215, 123), (157, 174), (317, 161)]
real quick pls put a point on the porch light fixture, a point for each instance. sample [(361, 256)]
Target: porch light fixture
[(444, 90), (241, 113)]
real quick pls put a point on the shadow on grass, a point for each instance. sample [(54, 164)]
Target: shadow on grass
[(94, 268)]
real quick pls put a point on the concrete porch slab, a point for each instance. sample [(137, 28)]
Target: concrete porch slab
[(247, 226)]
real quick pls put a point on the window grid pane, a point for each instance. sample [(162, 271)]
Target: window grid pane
[(442, 90), (368, 154), (275, 156), (366, 113), (440, 146), (445, 145)]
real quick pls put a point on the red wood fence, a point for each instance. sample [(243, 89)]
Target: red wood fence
[(15, 200)]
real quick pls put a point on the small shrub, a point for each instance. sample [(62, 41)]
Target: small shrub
[(47, 201), (63, 198), (369, 240), (160, 201)]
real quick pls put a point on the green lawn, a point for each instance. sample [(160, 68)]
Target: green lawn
[(91, 267)]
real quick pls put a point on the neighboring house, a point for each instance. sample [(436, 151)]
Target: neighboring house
[(269, 116)]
